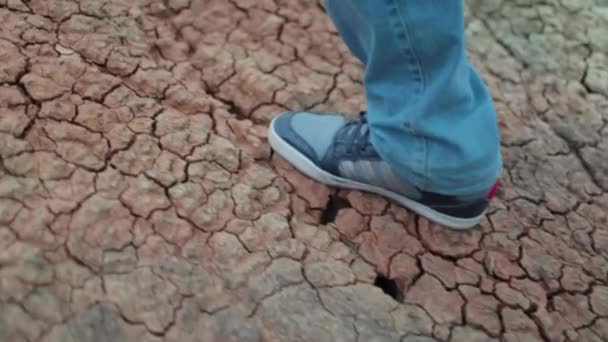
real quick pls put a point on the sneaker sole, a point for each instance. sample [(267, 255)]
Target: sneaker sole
[(309, 168)]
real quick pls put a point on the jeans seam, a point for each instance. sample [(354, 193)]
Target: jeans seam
[(404, 37)]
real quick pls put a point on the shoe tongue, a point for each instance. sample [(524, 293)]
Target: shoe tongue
[(318, 130)]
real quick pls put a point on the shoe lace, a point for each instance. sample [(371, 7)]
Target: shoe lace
[(355, 135)]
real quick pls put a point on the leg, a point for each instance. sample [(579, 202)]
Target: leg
[(430, 139), (431, 117)]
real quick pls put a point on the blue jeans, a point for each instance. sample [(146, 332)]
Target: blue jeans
[(431, 116)]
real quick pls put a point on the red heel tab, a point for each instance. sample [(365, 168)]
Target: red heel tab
[(494, 190)]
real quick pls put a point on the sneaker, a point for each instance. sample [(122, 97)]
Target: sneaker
[(337, 151)]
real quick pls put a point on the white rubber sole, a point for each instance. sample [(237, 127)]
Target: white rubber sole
[(306, 166)]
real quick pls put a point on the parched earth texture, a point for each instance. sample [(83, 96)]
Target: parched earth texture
[(140, 201)]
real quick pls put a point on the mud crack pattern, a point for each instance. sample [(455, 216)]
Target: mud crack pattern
[(140, 201)]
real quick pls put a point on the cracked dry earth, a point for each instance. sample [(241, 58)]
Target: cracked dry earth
[(140, 201)]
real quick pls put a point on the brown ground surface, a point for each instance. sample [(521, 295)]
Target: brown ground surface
[(139, 199)]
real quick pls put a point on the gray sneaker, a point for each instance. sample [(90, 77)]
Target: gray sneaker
[(337, 151)]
